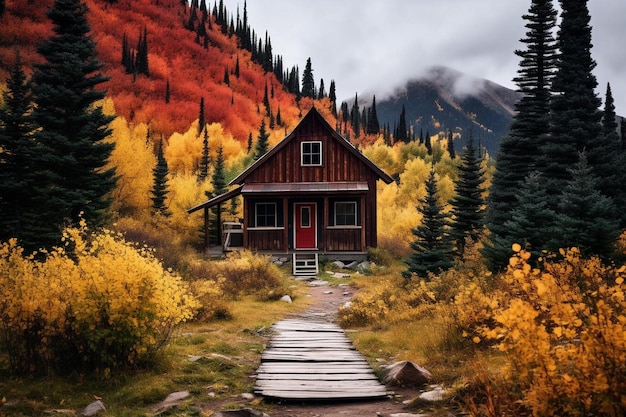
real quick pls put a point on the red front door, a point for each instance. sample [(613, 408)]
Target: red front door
[(305, 226)]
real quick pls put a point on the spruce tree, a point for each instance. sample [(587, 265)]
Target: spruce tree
[(205, 159), (530, 221), (16, 151), (586, 218), (262, 141), (322, 91), (401, 130), (432, 248), (218, 181), (159, 189), (308, 82), (168, 92), (468, 204), (355, 118), (72, 153), (520, 150), (451, 145), (332, 96), (575, 115), (201, 117), (373, 126)]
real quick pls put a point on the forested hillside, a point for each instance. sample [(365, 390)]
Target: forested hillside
[(184, 53)]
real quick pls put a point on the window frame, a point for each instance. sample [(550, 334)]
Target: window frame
[(265, 216), (311, 154), (355, 214)]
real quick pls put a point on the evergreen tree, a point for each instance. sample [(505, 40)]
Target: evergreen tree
[(226, 76), (205, 159), (468, 204), (279, 120), (71, 157), (201, 117), (355, 118), (432, 248), (249, 142), (520, 150), (451, 145), (322, 91), (262, 141), (575, 115), (332, 96), (428, 144), (16, 148), (373, 126), (401, 130), (308, 83), (266, 103), (586, 218), (236, 72), (530, 223), (611, 158), (159, 189), (218, 181), (168, 92), (141, 59)]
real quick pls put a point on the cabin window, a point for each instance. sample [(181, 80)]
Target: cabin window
[(265, 215), (311, 153), (345, 213)]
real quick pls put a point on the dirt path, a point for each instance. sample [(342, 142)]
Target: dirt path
[(327, 301)]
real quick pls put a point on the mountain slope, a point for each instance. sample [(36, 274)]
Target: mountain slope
[(444, 99), (176, 57)]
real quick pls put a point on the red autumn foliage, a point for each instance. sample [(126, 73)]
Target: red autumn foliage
[(192, 71)]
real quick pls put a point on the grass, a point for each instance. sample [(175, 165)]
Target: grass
[(213, 361)]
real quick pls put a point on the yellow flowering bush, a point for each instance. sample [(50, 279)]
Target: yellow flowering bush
[(95, 304), (563, 328)]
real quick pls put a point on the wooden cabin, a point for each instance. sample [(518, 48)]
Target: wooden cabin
[(312, 193)]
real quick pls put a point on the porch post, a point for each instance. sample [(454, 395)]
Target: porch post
[(325, 224), (286, 220), (245, 222), (206, 229), (363, 223)]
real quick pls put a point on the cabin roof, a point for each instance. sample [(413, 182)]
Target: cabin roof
[(313, 113)]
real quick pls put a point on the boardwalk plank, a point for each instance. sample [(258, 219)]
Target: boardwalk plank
[(314, 360)]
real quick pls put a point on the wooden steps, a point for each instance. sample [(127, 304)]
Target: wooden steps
[(305, 264), (308, 360)]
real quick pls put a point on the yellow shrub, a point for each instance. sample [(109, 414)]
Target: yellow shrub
[(97, 303), (244, 273), (563, 328)]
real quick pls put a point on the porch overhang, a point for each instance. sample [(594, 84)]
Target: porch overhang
[(291, 188), (216, 200)]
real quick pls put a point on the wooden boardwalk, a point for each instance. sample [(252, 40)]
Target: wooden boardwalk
[(313, 360)]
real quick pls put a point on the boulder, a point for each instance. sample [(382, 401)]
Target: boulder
[(93, 408), (406, 373), (286, 298)]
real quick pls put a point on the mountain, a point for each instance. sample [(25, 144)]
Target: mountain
[(444, 99)]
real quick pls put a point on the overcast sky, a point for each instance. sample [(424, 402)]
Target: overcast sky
[(374, 46)]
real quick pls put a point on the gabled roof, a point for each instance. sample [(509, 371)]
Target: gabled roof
[(216, 200), (313, 113)]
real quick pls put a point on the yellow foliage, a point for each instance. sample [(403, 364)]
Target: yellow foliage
[(563, 328), (134, 161), (98, 302)]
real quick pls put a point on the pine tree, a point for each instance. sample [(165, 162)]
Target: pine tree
[(355, 118), (401, 130), (373, 126), (451, 145), (159, 189), (205, 159), (71, 157), (586, 218), (332, 96), (428, 144), (308, 83), (201, 117), (262, 141), (610, 157), (16, 148), (249, 142), (575, 115), (141, 59), (468, 204), (168, 92), (531, 221), (218, 181), (432, 248), (520, 150)]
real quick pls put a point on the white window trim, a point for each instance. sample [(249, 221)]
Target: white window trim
[(256, 215), (302, 153), (356, 215)]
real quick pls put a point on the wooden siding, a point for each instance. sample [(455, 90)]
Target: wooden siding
[(343, 240)]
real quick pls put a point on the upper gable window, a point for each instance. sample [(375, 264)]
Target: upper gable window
[(311, 153)]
